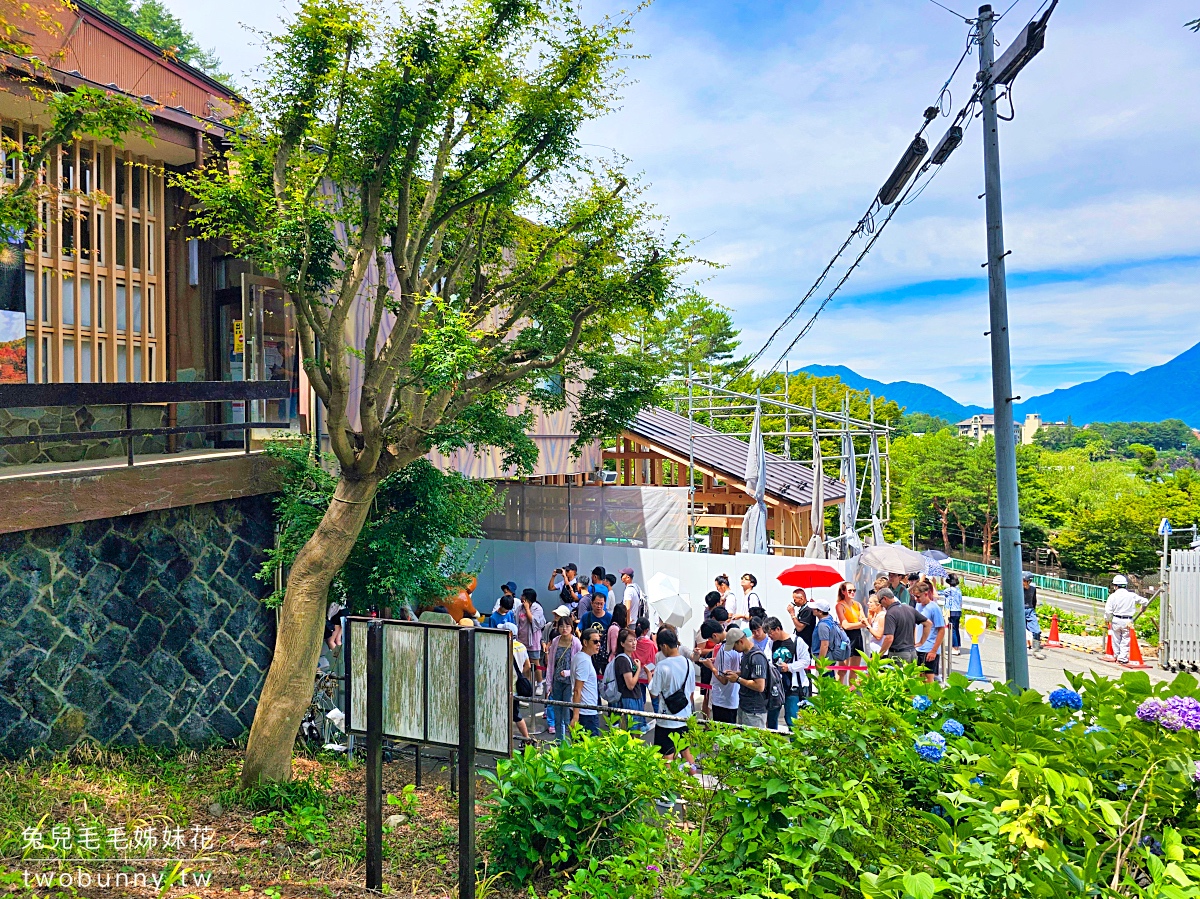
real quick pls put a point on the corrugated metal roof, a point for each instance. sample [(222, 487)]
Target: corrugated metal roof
[(791, 482)]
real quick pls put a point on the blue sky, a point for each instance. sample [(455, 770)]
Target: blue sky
[(764, 128)]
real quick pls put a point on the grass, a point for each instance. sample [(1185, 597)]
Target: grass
[(306, 838)]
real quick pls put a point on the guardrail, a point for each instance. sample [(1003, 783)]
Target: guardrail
[(25, 396), (1091, 592)]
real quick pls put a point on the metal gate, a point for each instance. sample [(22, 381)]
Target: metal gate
[(1181, 637)]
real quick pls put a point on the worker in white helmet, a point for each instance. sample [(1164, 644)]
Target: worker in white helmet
[(1119, 611)]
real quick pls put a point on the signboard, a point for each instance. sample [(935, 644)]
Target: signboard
[(239, 336), (14, 367), (421, 683), (1164, 528)]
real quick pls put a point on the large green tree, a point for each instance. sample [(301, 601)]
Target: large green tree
[(439, 145), (689, 331)]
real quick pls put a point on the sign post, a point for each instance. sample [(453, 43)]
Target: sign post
[(374, 772), (466, 763)]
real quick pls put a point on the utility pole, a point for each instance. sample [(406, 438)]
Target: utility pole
[(1016, 660)]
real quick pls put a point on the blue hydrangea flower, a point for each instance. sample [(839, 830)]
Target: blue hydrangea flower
[(1094, 729), (931, 747), (1066, 727), (952, 728), (1065, 698), (977, 780), (921, 703)]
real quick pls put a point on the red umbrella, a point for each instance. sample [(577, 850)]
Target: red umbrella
[(811, 574)]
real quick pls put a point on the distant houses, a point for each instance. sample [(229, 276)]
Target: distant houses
[(979, 426)]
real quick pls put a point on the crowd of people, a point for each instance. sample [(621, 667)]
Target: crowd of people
[(602, 650)]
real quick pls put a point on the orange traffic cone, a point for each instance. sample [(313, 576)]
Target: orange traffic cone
[(1053, 639), (1110, 654), (1135, 652)]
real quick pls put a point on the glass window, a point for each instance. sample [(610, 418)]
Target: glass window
[(100, 357), (85, 235), (122, 364), (46, 360), (151, 184), (30, 294), (30, 371), (98, 238), (122, 182), (137, 362), (137, 309), (7, 152), (120, 242), (46, 296), (103, 161), (66, 242), (68, 362), (136, 175), (45, 214), (85, 362), (137, 245), (121, 311), (67, 162), (100, 311), (85, 301), (150, 247), (151, 369), (68, 299), (85, 170), (150, 307)]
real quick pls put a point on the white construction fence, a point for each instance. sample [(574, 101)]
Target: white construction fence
[(1180, 626)]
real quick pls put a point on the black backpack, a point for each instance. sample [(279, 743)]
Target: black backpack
[(774, 691)]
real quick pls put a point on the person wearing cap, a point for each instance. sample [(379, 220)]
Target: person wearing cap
[(531, 621), (632, 595), (563, 577), (1120, 609), (1031, 619), (751, 678), (823, 609)]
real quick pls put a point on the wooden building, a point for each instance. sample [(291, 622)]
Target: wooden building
[(659, 447)]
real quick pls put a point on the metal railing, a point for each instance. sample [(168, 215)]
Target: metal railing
[(25, 396), (1093, 592)]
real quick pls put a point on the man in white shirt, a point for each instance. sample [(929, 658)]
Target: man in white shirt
[(1119, 611), (635, 604), (587, 690)]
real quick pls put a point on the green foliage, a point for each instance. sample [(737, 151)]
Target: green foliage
[(412, 549), (280, 797), (155, 22), (688, 330), (923, 423), (1031, 800), (566, 805)]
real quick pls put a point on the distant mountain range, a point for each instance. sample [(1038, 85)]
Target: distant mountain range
[(1170, 390)]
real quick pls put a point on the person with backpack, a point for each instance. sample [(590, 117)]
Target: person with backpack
[(599, 620), (621, 688), (646, 653), (585, 686), (830, 641), (753, 678), (724, 689), (791, 659), (672, 683), (635, 600), (520, 681)]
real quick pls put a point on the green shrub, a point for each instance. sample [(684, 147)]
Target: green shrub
[(555, 808), (280, 796)]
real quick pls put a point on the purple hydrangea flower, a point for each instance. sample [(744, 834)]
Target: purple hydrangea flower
[(931, 747), (952, 728), (1170, 720), (1150, 709), (1064, 698), (1186, 708), (1196, 774)]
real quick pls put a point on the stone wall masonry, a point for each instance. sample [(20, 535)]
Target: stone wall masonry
[(140, 630)]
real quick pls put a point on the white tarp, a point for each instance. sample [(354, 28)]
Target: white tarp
[(754, 523)]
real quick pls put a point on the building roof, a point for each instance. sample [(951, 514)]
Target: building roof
[(982, 419), (787, 481)]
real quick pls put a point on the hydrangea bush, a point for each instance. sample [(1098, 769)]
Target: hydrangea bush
[(905, 790)]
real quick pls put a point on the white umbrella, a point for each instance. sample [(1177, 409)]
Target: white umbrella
[(893, 557), (661, 586), (674, 609), (754, 523), (816, 546)]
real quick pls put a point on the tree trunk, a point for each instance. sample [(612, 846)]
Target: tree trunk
[(987, 540), (289, 685), (945, 513)]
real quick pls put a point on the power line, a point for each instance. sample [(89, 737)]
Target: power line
[(952, 12), (866, 224)]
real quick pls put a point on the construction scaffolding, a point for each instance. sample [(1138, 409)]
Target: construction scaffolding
[(859, 450)]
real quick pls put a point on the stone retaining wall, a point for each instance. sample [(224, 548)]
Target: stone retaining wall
[(144, 629)]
